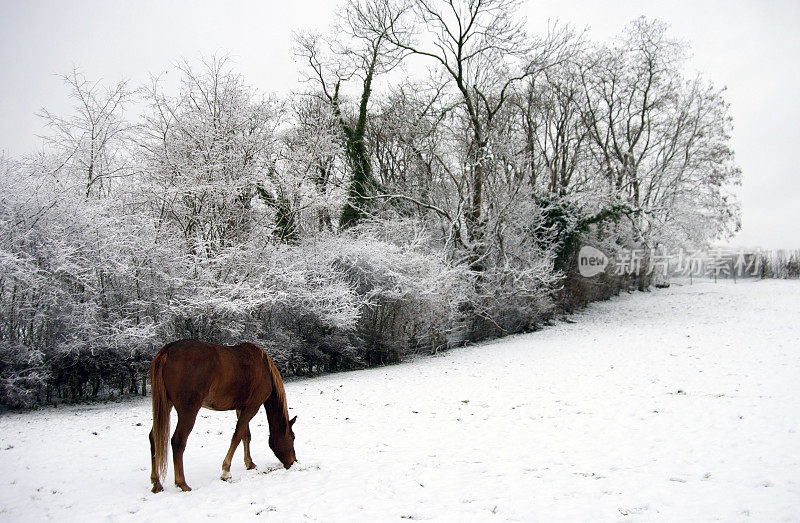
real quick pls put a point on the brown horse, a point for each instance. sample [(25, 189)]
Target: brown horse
[(190, 374)]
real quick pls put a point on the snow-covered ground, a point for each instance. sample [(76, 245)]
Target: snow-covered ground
[(681, 404)]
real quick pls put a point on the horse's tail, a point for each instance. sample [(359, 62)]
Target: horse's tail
[(161, 410)]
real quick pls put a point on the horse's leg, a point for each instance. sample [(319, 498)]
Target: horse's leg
[(241, 428), (186, 418), (248, 462), (154, 474)]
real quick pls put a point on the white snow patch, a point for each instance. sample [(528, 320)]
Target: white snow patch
[(681, 404)]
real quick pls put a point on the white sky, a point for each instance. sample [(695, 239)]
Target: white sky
[(752, 47)]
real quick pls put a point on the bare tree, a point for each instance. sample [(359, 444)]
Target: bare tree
[(556, 139), (660, 142), (472, 42), (89, 144), (205, 152), (482, 48), (305, 179), (364, 53)]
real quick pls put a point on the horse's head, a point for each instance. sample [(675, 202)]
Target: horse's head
[(283, 445)]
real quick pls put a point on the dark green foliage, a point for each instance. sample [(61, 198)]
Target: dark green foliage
[(566, 223), (781, 264), (286, 229), (361, 181)]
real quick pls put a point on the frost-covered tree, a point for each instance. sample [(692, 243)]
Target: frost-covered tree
[(204, 153), (305, 184), (661, 142), (90, 144), (364, 219), (483, 51), (72, 297), (359, 52)]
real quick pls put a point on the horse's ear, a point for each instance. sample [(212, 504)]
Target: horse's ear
[(291, 421)]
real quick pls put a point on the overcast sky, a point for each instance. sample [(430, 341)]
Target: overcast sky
[(752, 47)]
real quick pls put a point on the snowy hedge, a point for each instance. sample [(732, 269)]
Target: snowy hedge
[(365, 219)]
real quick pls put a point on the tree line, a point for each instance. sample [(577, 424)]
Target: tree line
[(377, 213)]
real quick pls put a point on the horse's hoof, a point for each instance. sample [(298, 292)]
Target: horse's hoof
[(251, 466), (185, 487), (157, 488), (226, 476)]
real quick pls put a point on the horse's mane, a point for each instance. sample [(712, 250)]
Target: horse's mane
[(277, 386)]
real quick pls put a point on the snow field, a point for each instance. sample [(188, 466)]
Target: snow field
[(681, 405)]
